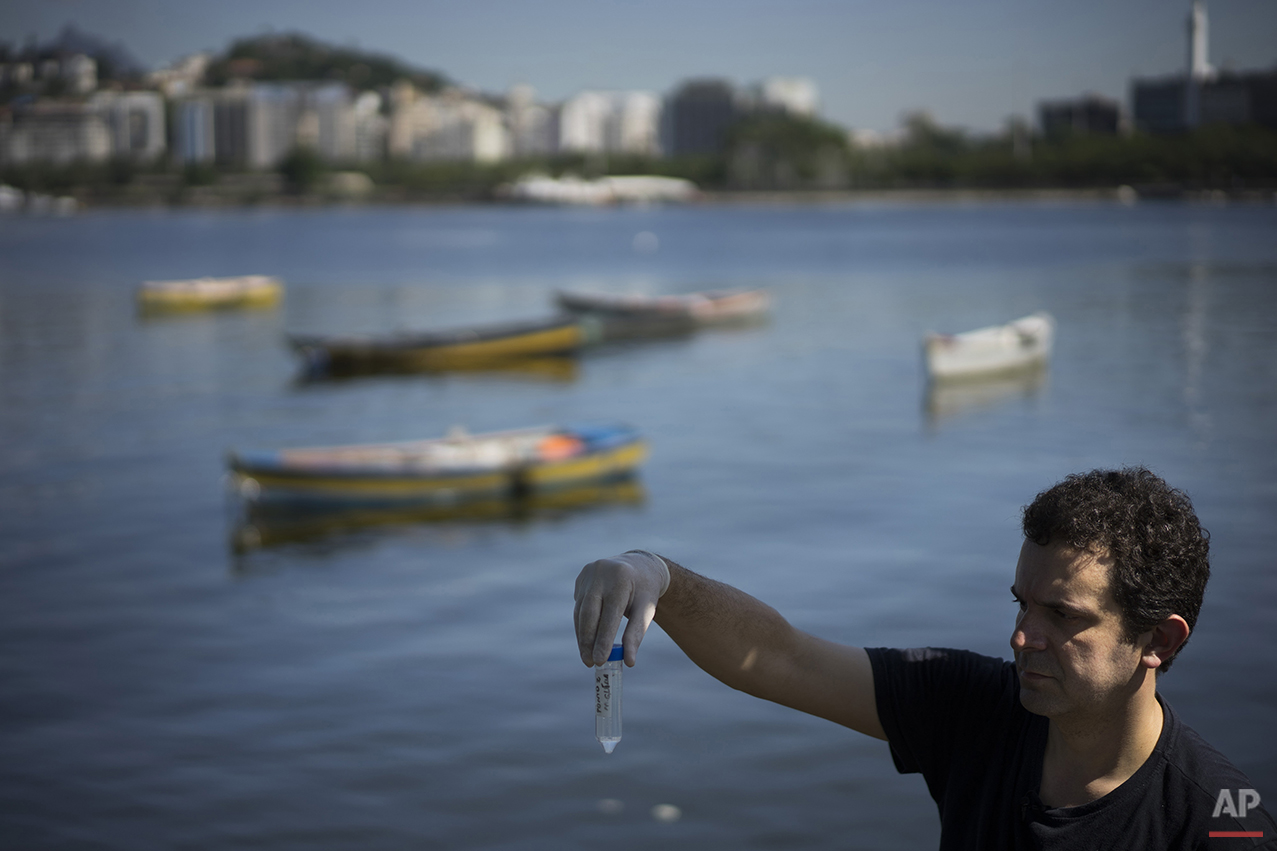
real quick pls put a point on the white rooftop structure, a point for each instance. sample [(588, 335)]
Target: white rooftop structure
[(795, 95)]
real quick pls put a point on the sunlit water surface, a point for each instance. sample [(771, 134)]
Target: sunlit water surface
[(415, 684)]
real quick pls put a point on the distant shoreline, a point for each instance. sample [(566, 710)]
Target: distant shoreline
[(1119, 194), (395, 197)]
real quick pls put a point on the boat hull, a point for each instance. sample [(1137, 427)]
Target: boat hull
[(248, 291), (471, 348), (1019, 346), (713, 307), (443, 472)]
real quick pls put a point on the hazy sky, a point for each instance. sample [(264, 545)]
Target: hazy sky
[(970, 63)]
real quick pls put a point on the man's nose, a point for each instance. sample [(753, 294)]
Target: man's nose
[(1026, 636)]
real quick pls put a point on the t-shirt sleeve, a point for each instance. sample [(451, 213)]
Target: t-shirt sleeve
[(929, 697)]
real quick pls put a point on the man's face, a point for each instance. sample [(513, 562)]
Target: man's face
[(1071, 648)]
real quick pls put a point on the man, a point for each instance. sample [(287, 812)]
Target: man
[(1067, 747)]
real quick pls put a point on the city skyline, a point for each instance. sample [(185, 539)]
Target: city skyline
[(971, 67)]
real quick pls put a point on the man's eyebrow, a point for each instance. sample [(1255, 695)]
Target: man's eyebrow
[(1055, 604)]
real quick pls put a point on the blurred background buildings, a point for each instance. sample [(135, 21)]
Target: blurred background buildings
[(1202, 94), (57, 112), (266, 97)]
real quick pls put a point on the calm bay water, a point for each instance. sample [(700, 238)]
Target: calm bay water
[(416, 685)]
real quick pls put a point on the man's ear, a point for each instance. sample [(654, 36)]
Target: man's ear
[(1163, 641)]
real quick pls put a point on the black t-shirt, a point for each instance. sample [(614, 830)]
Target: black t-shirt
[(956, 718)]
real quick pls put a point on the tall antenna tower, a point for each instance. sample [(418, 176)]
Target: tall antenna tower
[(1198, 43), (1199, 69)]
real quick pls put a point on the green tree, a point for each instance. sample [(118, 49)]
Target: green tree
[(302, 169), (922, 133), (199, 174), (294, 56), (781, 151)]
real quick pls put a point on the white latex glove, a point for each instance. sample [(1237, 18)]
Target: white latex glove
[(629, 585)]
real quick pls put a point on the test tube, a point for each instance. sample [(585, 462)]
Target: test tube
[(607, 699)]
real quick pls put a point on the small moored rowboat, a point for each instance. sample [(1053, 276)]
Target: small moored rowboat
[(701, 308), (207, 293), (998, 349), (444, 471), (460, 348)]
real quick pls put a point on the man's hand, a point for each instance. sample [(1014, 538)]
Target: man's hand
[(629, 585)]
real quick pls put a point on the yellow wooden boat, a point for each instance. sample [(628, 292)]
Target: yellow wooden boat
[(448, 470), (461, 348), (210, 293)]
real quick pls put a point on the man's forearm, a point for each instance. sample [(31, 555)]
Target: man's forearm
[(722, 629), (746, 644)]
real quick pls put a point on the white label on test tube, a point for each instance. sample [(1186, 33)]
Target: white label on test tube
[(607, 700)]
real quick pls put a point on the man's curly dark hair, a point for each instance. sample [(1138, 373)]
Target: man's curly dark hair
[(1161, 552)]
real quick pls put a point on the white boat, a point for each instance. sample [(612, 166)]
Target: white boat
[(619, 189), (711, 307), (999, 349)]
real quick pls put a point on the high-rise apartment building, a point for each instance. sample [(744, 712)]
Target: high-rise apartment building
[(610, 122), (451, 125), (1203, 95), (1090, 115), (698, 116), (127, 125), (534, 127)]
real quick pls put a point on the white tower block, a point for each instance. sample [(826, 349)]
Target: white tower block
[(1198, 43)]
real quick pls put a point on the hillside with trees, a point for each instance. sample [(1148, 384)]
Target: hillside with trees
[(294, 56)]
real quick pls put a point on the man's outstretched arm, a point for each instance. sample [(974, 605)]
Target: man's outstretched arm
[(732, 636)]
